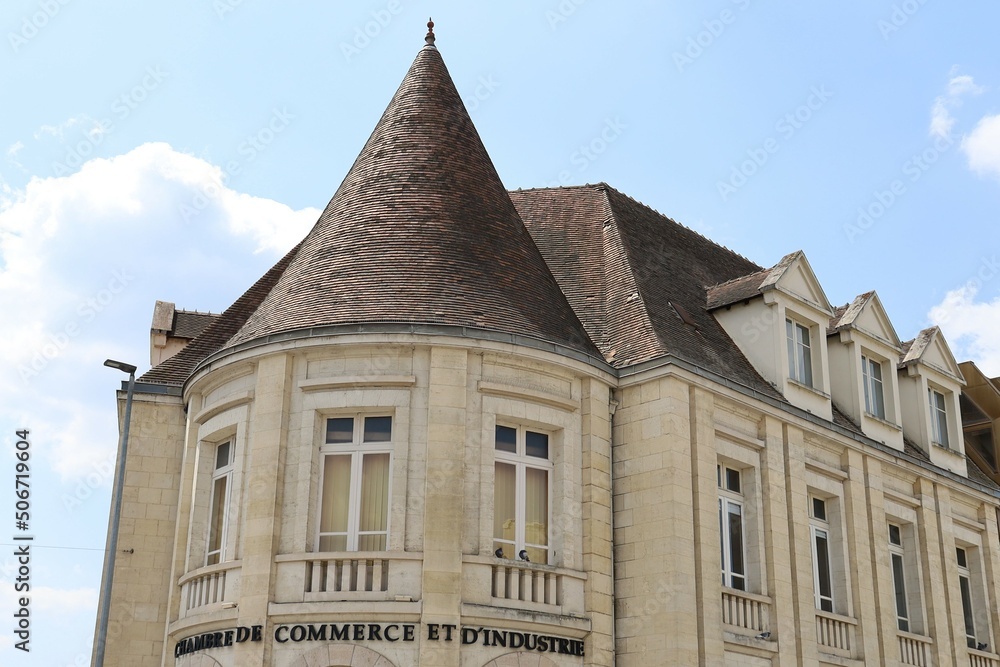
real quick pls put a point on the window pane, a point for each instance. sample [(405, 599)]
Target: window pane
[(536, 506), (790, 342), (723, 539), (939, 418), (823, 574), (733, 480), (506, 440), (340, 429), (899, 585), (222, 455), (970, 623), (336, 496), (504, 521), (805, 356), (737, 566), (961, 557), (378, 429), (371, 542), (333, 543), (878, 409), (374, 515), (819, 509), (894, 536), (866, 382), (217, 517), (536, 444)]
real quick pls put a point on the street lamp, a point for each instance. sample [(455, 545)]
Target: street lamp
[(116, 510)]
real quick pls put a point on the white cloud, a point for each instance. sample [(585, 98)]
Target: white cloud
[(982, 147), (942, 120), (971, 326), (963, 84), (84, 257)]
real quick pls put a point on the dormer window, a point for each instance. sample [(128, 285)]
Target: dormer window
[(799, 352), (939, 418), (871, 375)]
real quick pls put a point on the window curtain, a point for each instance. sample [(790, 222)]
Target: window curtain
[(536, 513), (504, 512), (374, 514), (336, 501)]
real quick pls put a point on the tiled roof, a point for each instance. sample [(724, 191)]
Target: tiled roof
[(177, 369), (421, 231), (189, 324), (636, 278)]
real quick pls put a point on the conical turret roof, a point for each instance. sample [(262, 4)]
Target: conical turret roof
[(421, 231)]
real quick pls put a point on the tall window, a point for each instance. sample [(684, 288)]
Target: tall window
[(939, 418), (871, 373), (799, 352), (965, 587), (218, 517), (521, 494), (734, 573), (822, 567), (896, 554), (354, 506)]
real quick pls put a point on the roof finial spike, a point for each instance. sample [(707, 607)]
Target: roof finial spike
[(430, 32)]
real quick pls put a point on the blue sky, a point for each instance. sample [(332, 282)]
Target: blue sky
[(174, 150)]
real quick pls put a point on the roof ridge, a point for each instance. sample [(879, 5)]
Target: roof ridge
[(679, 224)]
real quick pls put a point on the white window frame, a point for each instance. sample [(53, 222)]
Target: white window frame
[(225, 471), (357, 449), (873, 386), (521, 462), (974, 598), (820, 527), (940, 422), (729, 500), (900, 574), (798, 338)]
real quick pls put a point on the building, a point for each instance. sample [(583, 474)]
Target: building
[(463, 426)]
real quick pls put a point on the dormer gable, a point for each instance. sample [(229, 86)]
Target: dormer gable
[(930, 349), (794, 276), (864, 351), (778, 318), (930, 383)]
